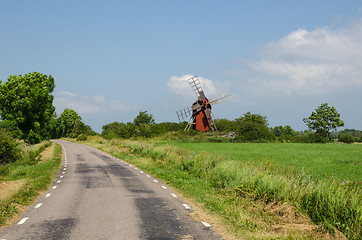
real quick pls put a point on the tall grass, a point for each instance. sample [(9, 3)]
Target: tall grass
[(327, 202), (36, 175)]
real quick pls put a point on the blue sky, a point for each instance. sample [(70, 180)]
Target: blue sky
[(113, 59)]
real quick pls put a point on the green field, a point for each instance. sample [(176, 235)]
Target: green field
[(342, 161)]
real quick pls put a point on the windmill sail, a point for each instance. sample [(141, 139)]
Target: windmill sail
[(196, 87)]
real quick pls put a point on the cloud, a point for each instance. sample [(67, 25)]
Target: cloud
[(84, 104), (309, 62), (181, 86)]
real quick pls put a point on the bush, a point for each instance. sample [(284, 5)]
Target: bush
[(82, 137), (346, 138), (9, 150)]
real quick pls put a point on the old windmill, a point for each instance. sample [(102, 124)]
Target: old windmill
[(201, 117)]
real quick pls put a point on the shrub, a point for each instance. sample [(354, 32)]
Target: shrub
[(346, 138), (9, 150), (82, 137)]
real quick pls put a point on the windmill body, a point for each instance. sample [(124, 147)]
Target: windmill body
[(200, 112)]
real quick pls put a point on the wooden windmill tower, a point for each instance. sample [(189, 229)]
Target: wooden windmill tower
[(201, 117)]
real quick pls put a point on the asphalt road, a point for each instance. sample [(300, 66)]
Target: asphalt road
[(96, 196)]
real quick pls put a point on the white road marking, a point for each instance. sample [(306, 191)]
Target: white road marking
[(186, 206), (64, 169), (61, 176), (155, 180), (22, 221), (164, 187), (141, 171), (173, 195), (58, 181), (54, 187), (48, 195), (206, 224), (148, 176), (63, 172), (38, 205), (136, 168)]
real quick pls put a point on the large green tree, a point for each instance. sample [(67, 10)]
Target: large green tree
[(27, 103), (323, 120), (69, 119)]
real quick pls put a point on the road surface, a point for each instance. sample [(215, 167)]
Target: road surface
[(96, 196)]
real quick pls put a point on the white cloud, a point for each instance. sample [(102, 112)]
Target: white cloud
[(310, 62), (181, 86), (83, 104)]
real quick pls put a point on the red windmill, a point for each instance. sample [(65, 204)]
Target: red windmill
[(200, 112)]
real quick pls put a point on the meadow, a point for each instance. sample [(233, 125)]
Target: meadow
[(333, 160)]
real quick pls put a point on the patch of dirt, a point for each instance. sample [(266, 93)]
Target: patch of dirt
[(48, 153), (9, 188)]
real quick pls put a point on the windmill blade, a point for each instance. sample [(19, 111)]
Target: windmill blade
[(196, 87), (223, 98), (207, 113), (184, 113)]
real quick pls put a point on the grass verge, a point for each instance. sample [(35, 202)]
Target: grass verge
[(254, 200), (27, 177)]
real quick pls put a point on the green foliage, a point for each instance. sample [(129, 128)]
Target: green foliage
[(36, 175), (225, 125), (82, 137), (346, 138), (26, 102), (143, 118), (323, 120), (357, 135), (69, 124), (69, 119), (253, 128), (9, 150)]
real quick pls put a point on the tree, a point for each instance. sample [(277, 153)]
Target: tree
[(253, 127), (144, 118), (26, 102), (323, 120), (68, 121)]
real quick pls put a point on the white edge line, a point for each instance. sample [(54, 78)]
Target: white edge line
[(206, 224), (38, 205), (48, 195), (164, 187), (155, 180), (173, 195), (54, 187), (22, 221), (186, 206)]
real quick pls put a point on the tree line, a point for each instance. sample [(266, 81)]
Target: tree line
[(322, 123)]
